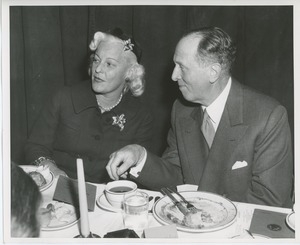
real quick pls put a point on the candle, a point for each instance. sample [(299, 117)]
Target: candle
[(84, 219)]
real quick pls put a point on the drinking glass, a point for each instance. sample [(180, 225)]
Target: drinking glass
[(135, 210)]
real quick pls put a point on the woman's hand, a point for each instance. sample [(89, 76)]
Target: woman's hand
[(53, 168)]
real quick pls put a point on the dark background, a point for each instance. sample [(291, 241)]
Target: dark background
[(49, 49)]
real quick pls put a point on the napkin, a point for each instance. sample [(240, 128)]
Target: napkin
[(125, 233), (166, 231), (271, 224), (67, 191)]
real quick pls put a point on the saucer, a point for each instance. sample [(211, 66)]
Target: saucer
[(104, 204), (290, 220)]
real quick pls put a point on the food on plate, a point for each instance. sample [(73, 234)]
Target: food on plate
[(39, 174), (57, 214), (208, 214), (45, 214), (38, 178), (197, 219)]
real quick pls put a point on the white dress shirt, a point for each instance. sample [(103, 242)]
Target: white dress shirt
[(215, 109)]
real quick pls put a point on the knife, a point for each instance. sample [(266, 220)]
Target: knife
[(178, 204)]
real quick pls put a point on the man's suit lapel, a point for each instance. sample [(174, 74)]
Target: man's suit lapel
[(229, 132), (196, 148)]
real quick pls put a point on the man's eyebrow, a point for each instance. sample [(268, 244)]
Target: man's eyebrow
[(178, 62)]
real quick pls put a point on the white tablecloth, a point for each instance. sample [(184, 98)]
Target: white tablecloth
[(102, 221)]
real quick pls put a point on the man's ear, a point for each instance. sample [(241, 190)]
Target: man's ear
[(214, 72)]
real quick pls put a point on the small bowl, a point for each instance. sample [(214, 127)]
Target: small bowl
[(115, 191)]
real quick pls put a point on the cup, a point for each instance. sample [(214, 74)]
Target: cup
[(135, 210), (115, 191)]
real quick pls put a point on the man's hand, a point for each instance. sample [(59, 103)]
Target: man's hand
[(123, 159), (53, 168)]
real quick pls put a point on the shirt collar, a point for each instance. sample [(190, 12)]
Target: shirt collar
[(215, 109)]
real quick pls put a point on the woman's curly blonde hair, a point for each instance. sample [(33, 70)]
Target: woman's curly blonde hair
[(135, 75)]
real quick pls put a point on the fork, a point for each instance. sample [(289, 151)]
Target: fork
[(177, 203), (189, 206)]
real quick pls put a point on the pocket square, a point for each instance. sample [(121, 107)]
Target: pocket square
[(239, 164)]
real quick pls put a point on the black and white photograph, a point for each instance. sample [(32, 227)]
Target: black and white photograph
[(149, 122)]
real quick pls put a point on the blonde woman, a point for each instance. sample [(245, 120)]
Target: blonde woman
[(96, 117)]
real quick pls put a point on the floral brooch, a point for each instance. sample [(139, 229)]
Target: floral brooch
[(128, 45), (120, 121)]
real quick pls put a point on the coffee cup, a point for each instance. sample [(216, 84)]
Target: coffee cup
[(115, 191)]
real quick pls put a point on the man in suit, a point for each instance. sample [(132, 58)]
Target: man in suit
[(225, 137)]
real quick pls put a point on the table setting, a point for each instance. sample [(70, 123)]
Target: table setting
[(74, 209)]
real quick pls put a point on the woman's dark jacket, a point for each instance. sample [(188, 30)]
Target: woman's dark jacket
[(72, 125)]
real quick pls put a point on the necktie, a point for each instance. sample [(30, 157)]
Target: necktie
[(207, 129)]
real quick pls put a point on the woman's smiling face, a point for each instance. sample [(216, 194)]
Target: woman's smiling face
[(109, 67)]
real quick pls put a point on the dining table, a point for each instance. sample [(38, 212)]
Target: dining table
[(103, 221)]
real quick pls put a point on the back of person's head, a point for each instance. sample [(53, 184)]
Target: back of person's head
[(25, 203), (215, 45)]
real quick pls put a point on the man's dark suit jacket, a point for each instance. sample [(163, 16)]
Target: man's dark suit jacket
[(253, 130)]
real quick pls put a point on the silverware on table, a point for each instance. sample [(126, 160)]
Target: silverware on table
[(178, 204), (189, 206)]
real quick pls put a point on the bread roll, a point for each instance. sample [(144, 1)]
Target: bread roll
[(38, 178)]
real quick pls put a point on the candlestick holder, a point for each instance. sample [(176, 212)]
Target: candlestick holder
[(91, 235)]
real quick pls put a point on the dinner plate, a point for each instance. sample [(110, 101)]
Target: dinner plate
[(215, 212), (63, 216), (104, 204), (49, 177), (290, 220)]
